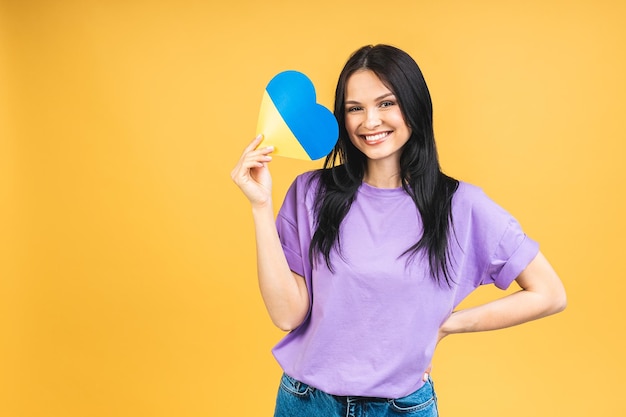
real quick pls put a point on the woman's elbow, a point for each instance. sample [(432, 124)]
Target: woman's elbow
[(287, 325), (557, 301), (289, 322), (560, 302)]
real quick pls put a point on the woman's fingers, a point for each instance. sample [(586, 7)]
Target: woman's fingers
[(259, 156), (251, 158), (427, 372), (251, 149), (252, 145), (255, 159), (251, 173)]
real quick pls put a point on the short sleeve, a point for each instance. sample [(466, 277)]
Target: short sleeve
[(495, 249), (294, 225), (511, 256)]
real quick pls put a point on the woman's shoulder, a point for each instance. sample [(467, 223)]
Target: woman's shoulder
[(470, 195), (307, 180), (304, 187), (467, 191), (472, 200)]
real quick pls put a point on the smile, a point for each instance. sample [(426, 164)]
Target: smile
[(377, 138)]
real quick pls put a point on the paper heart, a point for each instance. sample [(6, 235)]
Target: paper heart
[(292, 121)]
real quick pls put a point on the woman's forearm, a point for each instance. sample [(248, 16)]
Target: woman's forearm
[(542, 294), (284, 292), (514, 309)]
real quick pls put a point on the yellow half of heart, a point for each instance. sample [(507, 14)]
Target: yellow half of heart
[(276, 133)]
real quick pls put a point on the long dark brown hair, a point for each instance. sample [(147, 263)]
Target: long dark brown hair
[(423, 180)]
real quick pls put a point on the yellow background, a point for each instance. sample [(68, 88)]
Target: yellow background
[(127, 272)]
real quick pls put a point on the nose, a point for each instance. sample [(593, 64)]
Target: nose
[(372, 119)]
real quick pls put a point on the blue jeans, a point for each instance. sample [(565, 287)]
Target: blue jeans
[(296, 399)]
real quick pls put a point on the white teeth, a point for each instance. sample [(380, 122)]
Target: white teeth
[(376, 137)]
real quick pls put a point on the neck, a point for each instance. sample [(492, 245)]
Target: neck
[(383, 175)]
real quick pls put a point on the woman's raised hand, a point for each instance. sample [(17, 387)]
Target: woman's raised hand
[(252, 175)]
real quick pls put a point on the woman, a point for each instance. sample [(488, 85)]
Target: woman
[(370, 255)]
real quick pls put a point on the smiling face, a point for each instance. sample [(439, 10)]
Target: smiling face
[(374, 121)]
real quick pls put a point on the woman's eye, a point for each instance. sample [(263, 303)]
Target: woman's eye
[(353, 109), (387, 103)]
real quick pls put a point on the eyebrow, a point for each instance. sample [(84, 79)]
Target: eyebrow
[(376, 99)]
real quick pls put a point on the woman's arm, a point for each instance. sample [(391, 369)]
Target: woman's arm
[(542, 294), (284, 292)]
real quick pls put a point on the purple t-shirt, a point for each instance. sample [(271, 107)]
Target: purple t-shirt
[(373, 323)]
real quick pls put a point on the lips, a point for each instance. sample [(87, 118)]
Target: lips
[(375, 138)]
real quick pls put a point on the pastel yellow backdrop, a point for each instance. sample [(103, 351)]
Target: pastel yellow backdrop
[(127, 272)]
